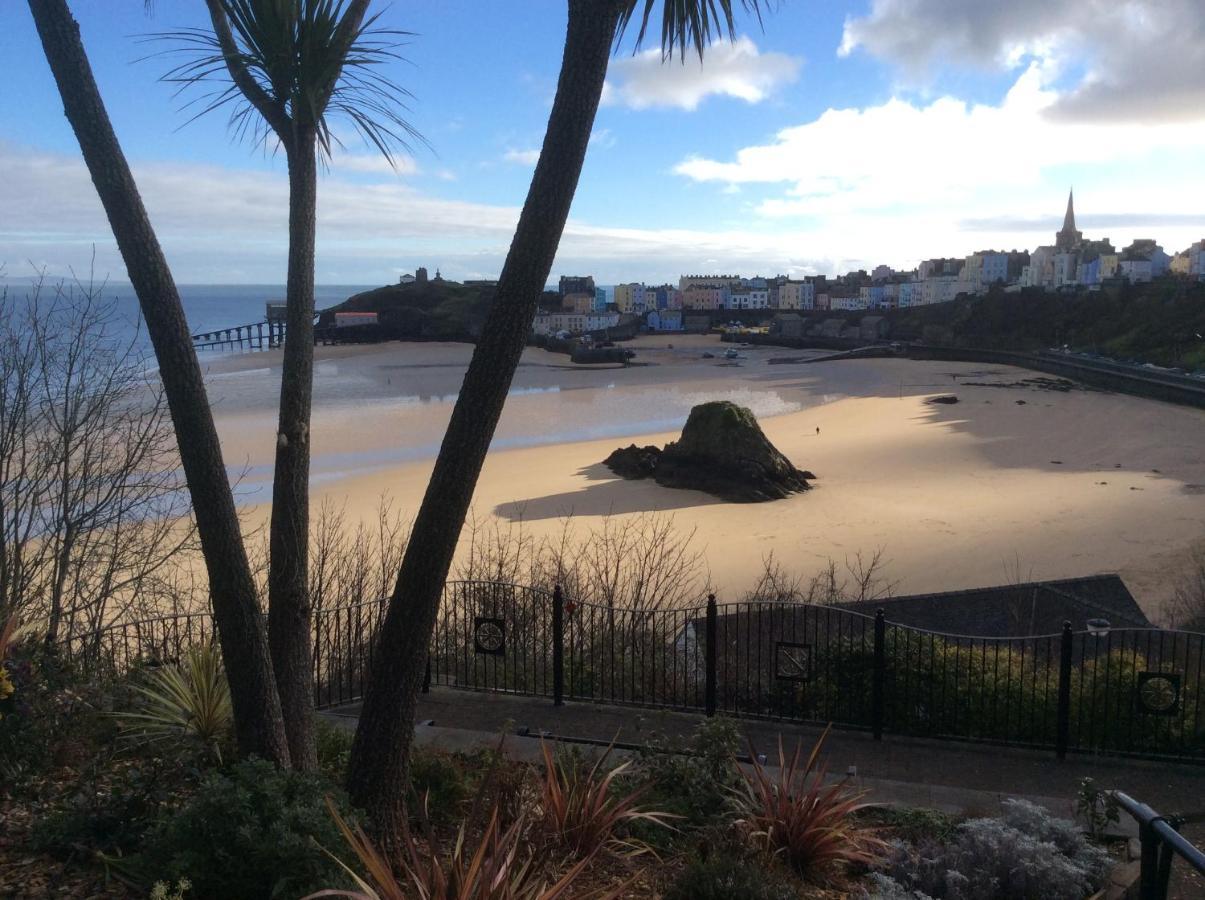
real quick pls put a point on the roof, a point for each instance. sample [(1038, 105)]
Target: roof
[(1038, 607), (1007, 611)]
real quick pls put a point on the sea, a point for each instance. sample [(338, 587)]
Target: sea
[(208, 307)]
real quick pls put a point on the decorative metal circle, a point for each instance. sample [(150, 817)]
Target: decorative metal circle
[(489, 636), (1158, 692)]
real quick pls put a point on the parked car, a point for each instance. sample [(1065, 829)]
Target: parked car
[(731, 353)]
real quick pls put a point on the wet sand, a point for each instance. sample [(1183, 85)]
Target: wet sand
[(980, 492)]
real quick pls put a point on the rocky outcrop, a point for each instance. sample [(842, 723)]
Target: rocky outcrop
[(633, 462), (722, 451), (947, 399)]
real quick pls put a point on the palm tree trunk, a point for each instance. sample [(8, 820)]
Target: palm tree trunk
[(380, 755), (258, 724), (288, 583)]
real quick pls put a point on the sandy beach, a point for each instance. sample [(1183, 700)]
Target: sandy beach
[(1012, 480)]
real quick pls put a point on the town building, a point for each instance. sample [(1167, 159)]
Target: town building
[(709, 298), (797, 295), (577, 284), (629, 298), (573, 323), (664, 320), (579, 303)]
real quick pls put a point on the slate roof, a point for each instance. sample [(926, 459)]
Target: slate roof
[(1038, 607)]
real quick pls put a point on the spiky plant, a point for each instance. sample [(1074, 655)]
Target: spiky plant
[(500, 868), (793, 816), (186, 703), (580, 809)]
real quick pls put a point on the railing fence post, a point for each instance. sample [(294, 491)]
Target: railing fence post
[(1063, 725), (880, 665), (1149, 863), (558, 646), (709, 658)]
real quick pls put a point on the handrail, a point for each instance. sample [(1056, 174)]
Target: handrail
[(1160, 841)]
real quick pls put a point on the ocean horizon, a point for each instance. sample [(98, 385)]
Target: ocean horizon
[(208, 307)]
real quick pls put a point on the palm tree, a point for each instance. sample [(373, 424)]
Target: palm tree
[(289, 65), (259, 726), (378, 769)]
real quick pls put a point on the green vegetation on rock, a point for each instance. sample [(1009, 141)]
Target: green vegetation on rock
[(431, 310), (1157, 322)]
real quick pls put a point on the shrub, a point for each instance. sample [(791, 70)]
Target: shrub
[(498, 782), (1025, 853), (333, 747), (726, 877), (582, 807), (439, 783), (884, 887), (49, 717), (184, 703), (114, 804), (914, 824), (248, 832), (794, 817), (693, 779)]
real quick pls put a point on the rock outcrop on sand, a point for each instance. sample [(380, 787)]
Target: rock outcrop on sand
[(722, 451)]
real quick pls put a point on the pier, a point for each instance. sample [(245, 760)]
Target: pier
[(264, 335)]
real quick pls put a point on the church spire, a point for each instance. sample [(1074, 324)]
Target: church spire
[(1069, 218), (1069, 238)]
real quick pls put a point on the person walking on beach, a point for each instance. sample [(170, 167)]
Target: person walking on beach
[(817, 431)]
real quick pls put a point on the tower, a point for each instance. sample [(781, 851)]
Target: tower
[(1068, 238)]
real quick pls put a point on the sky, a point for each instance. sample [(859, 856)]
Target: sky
[(831, 136)]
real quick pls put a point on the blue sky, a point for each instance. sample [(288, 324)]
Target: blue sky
[(841, 135)]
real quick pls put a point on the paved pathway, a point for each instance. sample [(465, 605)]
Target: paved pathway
[(1164, 786)]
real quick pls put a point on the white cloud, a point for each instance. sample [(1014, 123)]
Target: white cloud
[(523, 157), (230, 226), (947, 152), (901, 181), (1137, 60), (733, 69), (374, 163), (602, 138)]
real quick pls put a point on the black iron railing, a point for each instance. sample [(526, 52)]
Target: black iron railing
[(1161, 842), (1121, 691)]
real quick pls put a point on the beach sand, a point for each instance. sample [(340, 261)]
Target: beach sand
[(982, 492)]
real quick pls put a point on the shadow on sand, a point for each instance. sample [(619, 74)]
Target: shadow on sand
[(607, 494)]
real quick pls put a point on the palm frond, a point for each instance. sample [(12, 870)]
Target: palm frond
[(300, 62), (693, 23)]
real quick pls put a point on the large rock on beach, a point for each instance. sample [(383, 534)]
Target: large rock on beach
[(722, 451)]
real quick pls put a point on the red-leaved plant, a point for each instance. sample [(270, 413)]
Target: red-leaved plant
[(793, 816), (501, 868), (580, 810)]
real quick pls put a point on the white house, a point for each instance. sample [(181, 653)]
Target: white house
[(572, 322)]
